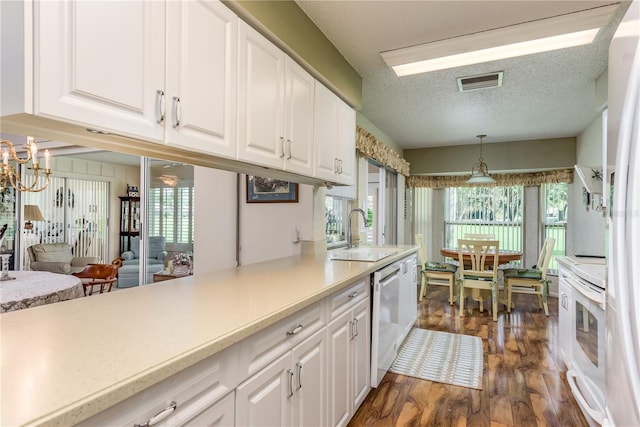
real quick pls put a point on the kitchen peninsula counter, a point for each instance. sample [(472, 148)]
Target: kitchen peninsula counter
[(64, 362)]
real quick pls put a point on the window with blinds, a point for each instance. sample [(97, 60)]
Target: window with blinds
[(171, 213)]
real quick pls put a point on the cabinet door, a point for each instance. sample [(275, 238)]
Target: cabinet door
[(346, 147), (201, 77), (260, 98), (265, 398), (310, 381), (339, 333), (361, 356), (100, 64), (408, 299), (299, 92), (325, 133)]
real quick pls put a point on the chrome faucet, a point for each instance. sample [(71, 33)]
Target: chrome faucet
[(349, 236)]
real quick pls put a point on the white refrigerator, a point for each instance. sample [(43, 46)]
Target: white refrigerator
[(622, 358)]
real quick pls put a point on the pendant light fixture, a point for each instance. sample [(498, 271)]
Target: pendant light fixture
[(480, 171)]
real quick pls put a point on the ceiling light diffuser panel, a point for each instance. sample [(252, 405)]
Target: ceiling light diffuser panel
[(559, 32)]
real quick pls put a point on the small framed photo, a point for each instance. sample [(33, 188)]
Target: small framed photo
[(268, 190)]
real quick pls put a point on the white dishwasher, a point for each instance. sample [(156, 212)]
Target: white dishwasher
[(384, 320)]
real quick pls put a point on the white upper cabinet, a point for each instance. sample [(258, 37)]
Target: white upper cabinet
[(153, 70), (100, 63), (275, 106), (334, 138), (201, 76)]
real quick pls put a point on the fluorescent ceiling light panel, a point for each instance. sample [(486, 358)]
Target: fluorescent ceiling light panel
[(544, 35)]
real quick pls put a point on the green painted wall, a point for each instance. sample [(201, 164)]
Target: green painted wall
[(286, 25), (515, 156)]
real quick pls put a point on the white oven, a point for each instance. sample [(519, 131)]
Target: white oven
[(586, 373)]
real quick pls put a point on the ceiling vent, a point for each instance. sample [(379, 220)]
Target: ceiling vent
[(484, 81)]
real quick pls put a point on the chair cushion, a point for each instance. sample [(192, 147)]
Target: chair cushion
[(525, 273), (440, 266), (53, 252)]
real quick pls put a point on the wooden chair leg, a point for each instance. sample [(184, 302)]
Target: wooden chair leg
[(508, 289), (461, 299), (423, 287), (494, 301)]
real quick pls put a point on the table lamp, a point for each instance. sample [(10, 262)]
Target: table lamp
[(31, 213)]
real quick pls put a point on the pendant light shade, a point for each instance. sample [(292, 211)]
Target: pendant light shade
[(480, 171)]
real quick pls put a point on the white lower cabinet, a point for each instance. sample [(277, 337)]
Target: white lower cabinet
[(349, 362), (290, 391), (297, 372), (202, 394)]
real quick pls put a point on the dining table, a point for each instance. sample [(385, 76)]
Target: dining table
[(28, 289), (504, 256)]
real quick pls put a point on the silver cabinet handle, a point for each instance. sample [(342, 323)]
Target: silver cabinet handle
[(336, 169), (355, 323), (299, 366), (282, 143), (351, 325), (353, 294), (159, 106), (159, 416), (290, 144), (290, 372), (176, 115), (340, 166), (295, 330)]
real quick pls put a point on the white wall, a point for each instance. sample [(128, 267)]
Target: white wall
[(267, 229), (215, 219), (586, 227)]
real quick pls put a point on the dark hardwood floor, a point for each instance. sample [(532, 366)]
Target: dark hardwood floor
[(524, 381)]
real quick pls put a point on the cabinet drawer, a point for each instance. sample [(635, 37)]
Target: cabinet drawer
[(345, 299), (262, 348), (196, 391)]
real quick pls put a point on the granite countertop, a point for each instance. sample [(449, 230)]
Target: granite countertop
[(64, 362)]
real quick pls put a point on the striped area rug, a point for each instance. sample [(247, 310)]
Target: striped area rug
[(441, 357)]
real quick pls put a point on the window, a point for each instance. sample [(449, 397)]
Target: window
[(171, 213), (337, 215), (554, 200), (485, 210)]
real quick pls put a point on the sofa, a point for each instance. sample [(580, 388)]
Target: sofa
[(57, 258), (129, 273)]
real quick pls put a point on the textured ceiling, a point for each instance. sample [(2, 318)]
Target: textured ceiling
[(543, 96)]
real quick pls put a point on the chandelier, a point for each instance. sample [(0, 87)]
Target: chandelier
[(480, 171), (9, 174)]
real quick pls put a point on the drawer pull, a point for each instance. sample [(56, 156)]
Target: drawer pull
[(299, 365), (295, 330), (159, 416), (353, 294), (290, 372)]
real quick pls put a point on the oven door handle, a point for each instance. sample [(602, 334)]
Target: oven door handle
[(596, 297), (596, 415)]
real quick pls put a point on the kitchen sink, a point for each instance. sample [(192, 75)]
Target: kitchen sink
[(363, 254)]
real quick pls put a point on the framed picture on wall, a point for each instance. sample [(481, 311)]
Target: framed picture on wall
[(268, 190)]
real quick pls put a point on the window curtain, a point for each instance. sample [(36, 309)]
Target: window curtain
[(502, 180), (422, 213), (370, 147)]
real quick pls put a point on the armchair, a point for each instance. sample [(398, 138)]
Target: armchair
[(156, 253), (57, 258)]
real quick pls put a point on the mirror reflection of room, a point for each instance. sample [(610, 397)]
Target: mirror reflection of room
[(91, 212)]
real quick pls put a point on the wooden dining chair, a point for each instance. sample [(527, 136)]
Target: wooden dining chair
[(477, 271), (532, 281), (102, 275), (435, 273)]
